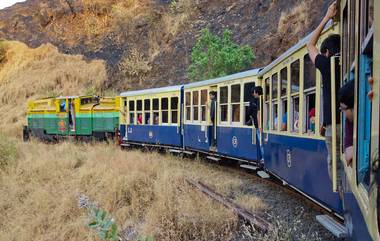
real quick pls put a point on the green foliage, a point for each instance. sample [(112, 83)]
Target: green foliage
[(8, 152), (91, 90), (145, 239), (105, 226), (214, 57), (173, 6)]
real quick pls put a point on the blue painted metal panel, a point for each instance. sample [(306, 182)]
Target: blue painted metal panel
[(364, 125), (237, 142), (354, 220), (157, 135), (197, 138), (302, 162)]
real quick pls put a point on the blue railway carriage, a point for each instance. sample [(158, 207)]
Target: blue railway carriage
[(294, 151), (226, 132), (152, 117), (360, 61)]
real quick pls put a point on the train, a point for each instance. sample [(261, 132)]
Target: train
[(182, 119)]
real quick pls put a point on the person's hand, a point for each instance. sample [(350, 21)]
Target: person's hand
[(332, 11), (322, 131), (349, 155)]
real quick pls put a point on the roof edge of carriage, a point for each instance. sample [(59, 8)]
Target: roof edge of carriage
[(252, 72), (290, 51), (151, 91)]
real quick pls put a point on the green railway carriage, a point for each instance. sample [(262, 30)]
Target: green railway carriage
[(79, 116)]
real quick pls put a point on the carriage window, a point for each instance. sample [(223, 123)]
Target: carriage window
[(156, 113), (345, 64), (139, 112), (309, 118), (266, 116), (295, 76), (174, 109), (165, 110), (267, 89), (62, 106), (294, 114), (370, 13), (275, 116), (274, 86), (203, 104), (284, 105), (131, 112), (223, 104), (284, 116), (147, 112), (352, 32), (188, 106), (284, 81), (235, 102), (248, 88), (309, 76), (195, 105)]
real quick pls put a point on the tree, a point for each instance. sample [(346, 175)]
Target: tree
[(214, 57)]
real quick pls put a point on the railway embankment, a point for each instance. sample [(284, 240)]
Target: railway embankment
[(143, 191)]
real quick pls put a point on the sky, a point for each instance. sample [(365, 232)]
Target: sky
[(7, 3)]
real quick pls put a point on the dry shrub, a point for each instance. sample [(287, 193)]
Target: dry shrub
[(3, 51), (8, 152), (135, 66), (294, 21), (34, 73)]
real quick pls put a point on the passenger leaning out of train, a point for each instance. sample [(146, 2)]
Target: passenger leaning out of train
[(254, 107), (330, 47), (346, 105)]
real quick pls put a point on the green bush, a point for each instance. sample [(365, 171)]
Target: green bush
[(8, 152), (214, 57)]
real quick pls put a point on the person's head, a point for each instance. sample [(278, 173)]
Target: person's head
[(257, 91), (212, 95), (331, 45), (346, 99)]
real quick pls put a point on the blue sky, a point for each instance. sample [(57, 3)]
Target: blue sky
[(7, 3)]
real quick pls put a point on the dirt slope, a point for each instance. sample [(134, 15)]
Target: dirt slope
[(162, 32)]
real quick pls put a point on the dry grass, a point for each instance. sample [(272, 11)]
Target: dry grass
[(33, 73), (145, 192)]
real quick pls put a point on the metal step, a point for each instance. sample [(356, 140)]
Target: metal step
[(174, 151), (125, 145), (263, 174), (188, 152), (250, 167), (333, 226), (213, 158)]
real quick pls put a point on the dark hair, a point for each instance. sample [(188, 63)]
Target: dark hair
[(347, 94), (258, 90), (213, 93), (332, 44)]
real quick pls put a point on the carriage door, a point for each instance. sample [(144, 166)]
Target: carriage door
[(62, 117), (71, 116)]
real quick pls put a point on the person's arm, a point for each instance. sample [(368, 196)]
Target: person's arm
[(312, 44)]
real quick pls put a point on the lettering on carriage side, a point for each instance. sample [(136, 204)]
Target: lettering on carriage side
[(129, 130), (289, 158), (235, 142), (150, 134)]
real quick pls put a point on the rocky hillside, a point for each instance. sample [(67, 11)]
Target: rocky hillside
[(148, 43)]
